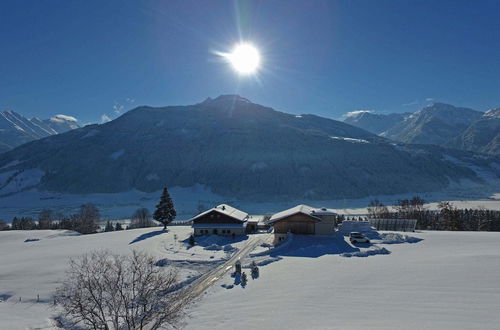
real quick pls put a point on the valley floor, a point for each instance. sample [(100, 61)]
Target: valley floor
[(188, 200), (429, 280)]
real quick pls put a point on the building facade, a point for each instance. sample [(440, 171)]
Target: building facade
[(220, 220), (303, 220)]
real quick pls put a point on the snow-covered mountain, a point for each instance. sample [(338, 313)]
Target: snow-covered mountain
[(15, 129), (235, 148), (483, 135), (374, 122), (437, 124)]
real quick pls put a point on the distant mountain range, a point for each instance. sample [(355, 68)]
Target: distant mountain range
[(15, 129), (235, 148), (374, 122), (482, 135), (438, 124)]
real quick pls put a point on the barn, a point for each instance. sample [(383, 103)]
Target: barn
[(220, 220), (303, 220)]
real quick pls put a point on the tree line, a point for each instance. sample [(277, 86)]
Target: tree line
[(86, 220), (446, 217)]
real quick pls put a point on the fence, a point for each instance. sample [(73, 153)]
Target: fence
[(394, 224)]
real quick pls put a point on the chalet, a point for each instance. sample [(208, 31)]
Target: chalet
[(303, 220), (220, 220)]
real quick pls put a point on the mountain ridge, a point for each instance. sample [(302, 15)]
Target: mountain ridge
[(439, 124), (16, 129), (235, 148)]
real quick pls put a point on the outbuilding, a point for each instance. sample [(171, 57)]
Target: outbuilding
[(303, 220), (220, 220)]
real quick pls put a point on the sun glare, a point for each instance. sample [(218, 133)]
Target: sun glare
[(244, 58)]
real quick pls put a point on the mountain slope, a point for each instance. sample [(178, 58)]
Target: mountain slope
[(374, 122), (437, 124), (15, 129), (483, 135), (234, 147)]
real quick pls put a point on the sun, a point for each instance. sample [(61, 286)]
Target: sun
[(244, 58)]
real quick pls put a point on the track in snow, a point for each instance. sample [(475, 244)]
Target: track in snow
[(207, 280)]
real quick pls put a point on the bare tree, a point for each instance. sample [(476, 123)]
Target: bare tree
[(402, 208), (141, 219), (417, 204), (45, 219), (109, 291), (377, 210), (86, 219)]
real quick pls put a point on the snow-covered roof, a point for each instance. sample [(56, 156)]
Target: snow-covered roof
[(227, 210), (256, 218), (304, 209), (219, 225)]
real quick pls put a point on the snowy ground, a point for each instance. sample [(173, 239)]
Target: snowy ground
[(33, 263), (449, 280), (428, 280)]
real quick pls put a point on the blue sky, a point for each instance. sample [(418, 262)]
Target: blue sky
[(88, 58)]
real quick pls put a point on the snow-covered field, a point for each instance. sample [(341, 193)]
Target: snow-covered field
[(427, 280), (449, 280), (33, 263)]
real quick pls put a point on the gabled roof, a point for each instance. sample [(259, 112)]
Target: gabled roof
[(226, 210), (304, 209)]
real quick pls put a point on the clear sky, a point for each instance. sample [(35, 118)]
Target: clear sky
[(89, 58)]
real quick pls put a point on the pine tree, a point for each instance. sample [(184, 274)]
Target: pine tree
[(165, 211), (118, 226)]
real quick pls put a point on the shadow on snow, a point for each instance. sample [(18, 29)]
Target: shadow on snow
[(317, 246), (312, 247), (148, 235)]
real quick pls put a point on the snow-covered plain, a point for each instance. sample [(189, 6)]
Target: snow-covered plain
[(425, 280)]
